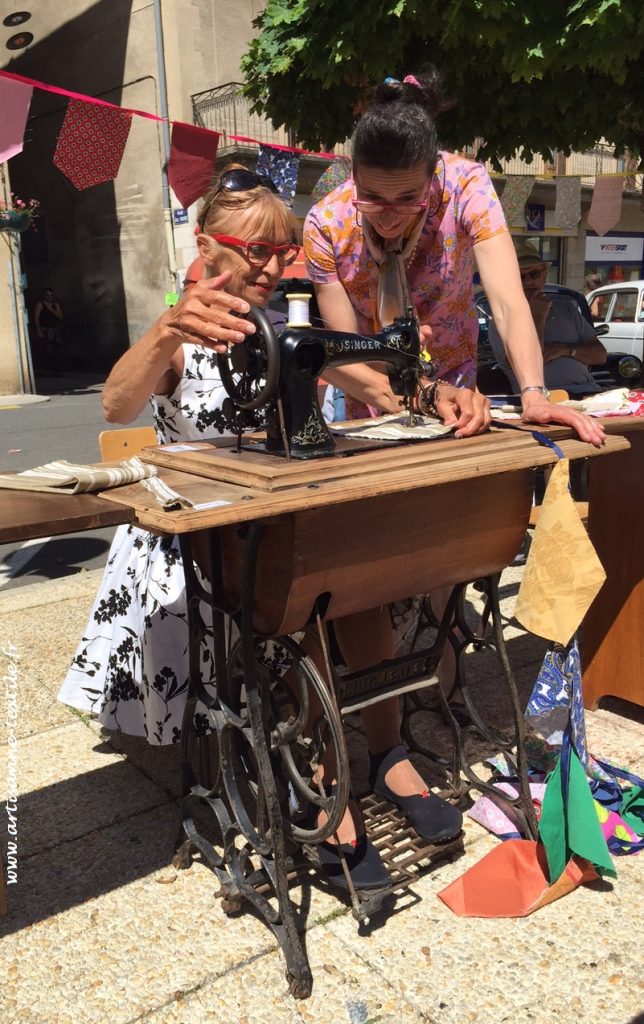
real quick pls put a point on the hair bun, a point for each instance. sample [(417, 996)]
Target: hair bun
[(427, 94)]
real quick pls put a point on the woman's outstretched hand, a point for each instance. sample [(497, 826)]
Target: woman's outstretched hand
[(205, 315), (540, 410), (467, 411)]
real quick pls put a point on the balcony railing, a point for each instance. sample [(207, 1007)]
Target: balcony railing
[(226, 110)]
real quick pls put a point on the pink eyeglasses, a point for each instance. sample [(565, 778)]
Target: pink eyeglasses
[(363, 206)]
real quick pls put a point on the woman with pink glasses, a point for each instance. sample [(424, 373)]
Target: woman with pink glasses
[(408, 229)]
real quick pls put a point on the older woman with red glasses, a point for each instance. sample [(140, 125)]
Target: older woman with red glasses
[(131, 668)]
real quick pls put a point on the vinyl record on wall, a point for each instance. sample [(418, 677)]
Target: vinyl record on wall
[(17, 18), (19, 41)]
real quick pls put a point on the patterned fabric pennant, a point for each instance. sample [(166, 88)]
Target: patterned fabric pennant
[(192, 161), (335, 175), (281, 167), (91, 143), (568, 204), (515, 195), (606, 207), (15, 98)]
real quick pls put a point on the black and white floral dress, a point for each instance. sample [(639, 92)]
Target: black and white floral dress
[(131, 666)]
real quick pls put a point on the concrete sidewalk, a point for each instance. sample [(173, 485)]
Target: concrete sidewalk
[(101, 928)]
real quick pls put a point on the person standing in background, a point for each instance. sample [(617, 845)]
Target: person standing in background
[(48, 318)]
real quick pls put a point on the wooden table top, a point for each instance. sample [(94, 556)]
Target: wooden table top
[(25, 515), (201, 475)]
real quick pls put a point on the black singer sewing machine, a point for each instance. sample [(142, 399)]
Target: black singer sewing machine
[(280, 372)]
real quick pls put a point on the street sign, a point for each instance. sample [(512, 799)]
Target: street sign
[(180, 216)]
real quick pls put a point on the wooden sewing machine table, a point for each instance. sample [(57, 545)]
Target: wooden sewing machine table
[(292, 542)]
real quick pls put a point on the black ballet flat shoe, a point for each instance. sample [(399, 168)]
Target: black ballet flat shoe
[(363, 861), (434, 820)]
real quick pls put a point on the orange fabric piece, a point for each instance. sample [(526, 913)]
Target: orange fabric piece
[(512, 881)]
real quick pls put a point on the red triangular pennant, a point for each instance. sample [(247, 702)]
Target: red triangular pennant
[(192, 161), (15, 98), (91, 143)]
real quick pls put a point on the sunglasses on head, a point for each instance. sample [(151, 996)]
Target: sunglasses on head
[(259, 253), (532, 275), (237, 180), (241, 180)]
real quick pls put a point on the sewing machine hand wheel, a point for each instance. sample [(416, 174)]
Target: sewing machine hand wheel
[(250, 369)]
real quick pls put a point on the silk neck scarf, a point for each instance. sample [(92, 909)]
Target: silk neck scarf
[(393, 296)]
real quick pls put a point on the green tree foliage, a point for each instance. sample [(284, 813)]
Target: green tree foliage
[(533, 75)]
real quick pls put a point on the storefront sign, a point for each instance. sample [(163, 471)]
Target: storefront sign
[(614, 249)]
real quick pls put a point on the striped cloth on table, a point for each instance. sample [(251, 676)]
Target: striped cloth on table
[(64, 477)]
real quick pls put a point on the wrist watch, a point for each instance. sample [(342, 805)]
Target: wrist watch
[(573, 352), (537, 387)]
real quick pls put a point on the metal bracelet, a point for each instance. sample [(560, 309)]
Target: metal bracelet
[(427, 398)]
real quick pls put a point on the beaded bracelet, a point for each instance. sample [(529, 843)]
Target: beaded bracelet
[(427, 398)]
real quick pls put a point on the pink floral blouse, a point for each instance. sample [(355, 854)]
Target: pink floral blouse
[(463, 210)]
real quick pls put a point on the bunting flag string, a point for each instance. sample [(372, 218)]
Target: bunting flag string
[(281, 168), (91, 143), (568, 204), (606, 205), (192, 161), (145, 113), (15, 98), (514, 197)]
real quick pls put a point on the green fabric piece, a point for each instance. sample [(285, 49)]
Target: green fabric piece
[(632, 811), (569, 823)]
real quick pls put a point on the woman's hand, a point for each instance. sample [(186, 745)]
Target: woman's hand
[(467, 411), (205, 316), (538, 409)]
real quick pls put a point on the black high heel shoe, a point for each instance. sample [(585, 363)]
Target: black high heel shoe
[(434, 819)]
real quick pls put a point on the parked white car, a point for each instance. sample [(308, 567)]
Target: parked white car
[(621, 307)]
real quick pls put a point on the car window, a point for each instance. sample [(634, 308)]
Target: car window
[(600, 305), (625, 307)]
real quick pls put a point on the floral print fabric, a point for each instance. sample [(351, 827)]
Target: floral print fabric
[(463, 210), (131, 666)]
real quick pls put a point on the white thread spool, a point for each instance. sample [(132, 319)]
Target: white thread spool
[(298, 310)]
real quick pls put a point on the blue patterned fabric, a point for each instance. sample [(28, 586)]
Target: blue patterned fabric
[(556, 697), (281, 168)]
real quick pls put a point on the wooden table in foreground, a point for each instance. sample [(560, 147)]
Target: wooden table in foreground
[(25, 515)]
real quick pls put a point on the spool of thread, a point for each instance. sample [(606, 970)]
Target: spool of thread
[(298, 310)]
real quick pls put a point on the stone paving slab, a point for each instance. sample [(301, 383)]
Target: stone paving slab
[(37, 708), (68, 786), (345, 991)]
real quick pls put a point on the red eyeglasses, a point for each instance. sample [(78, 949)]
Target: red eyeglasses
[(259, 253)]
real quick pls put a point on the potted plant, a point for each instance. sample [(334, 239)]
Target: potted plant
[(17, 215)]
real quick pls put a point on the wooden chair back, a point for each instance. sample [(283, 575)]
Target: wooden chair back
[(559, 395), (123, 444)]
